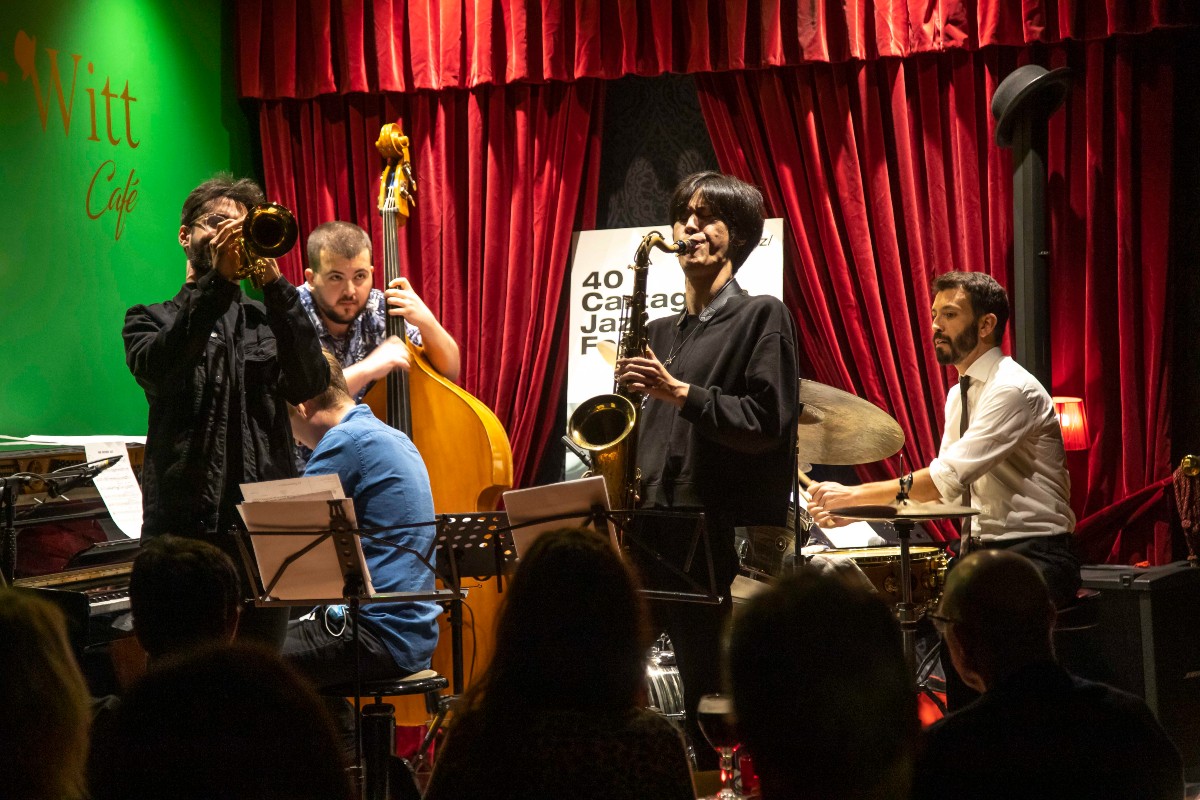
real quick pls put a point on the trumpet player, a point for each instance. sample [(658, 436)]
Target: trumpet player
[(218, 370), (718, 431)]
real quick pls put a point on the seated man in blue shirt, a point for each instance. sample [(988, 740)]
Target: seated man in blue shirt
[(382, 472)]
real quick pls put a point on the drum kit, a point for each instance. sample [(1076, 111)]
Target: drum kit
[(838, 428)]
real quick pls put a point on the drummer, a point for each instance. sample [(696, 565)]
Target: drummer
[(1001, 451)]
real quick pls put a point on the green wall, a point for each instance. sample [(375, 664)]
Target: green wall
[(68, 267)]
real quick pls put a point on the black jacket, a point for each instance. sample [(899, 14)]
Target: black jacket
[(217, 368), (1046, 733)]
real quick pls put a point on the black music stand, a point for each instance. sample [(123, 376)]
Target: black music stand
[(478, 545), (635, 532), (645, 534), (344, 559)]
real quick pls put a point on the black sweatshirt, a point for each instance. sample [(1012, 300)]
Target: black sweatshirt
[(730, 450)]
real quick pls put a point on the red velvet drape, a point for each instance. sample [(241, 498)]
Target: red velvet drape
[(883, 167), (887, 174), (500, 172), (308, 48)]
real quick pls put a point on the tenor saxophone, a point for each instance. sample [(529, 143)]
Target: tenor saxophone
[(605, 426)]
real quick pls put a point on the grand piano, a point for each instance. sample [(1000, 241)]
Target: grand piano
[(70, 551)]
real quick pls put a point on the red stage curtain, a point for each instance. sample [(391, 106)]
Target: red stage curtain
[(307, 48), (500, 172), (886, 174)]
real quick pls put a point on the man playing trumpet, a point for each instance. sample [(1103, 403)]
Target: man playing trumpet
[(219, 369)]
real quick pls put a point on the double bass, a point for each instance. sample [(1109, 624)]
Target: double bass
[(463, 444)]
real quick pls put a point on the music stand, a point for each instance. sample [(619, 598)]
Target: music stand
[(638, 531), (325, 566), (478, 545), (585, 503)]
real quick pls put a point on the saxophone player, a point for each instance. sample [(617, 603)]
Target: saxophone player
[(718, 431)]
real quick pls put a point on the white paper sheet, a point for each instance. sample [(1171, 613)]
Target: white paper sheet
[(526, 505), (118, 486), (311, 487)]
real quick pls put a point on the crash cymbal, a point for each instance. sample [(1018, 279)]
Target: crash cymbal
[(837, 427), (913, 512)]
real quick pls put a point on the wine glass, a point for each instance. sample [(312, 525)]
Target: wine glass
[(715, 716)]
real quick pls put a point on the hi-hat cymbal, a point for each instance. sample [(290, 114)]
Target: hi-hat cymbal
[(913, 512), (837, 427)]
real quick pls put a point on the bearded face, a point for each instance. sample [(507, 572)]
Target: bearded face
[(952, 349)]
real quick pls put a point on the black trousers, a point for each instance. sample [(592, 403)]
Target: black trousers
[(1055, 559), (697, 630)]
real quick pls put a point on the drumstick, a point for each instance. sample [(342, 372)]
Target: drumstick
[(805, 482)]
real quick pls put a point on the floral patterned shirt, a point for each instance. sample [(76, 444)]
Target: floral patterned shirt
[(365, 333)]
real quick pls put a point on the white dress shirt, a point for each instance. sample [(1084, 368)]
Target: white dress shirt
[(1011, 455)]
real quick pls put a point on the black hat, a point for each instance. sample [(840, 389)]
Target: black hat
[(1022, 89)]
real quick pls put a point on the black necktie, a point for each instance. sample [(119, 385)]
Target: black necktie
[(964, 420)]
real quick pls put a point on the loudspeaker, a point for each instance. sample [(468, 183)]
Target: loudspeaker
[(1148, 643)]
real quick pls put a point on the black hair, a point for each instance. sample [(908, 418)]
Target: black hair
[(736, 203), (182, 592), (222, 185), (572, 598), (231, 721), (987, 296), (852, 731)]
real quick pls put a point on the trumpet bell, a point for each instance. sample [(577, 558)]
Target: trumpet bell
[(270, 230)]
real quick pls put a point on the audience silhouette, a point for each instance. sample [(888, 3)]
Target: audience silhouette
[(44, 703), (824, 699), (558, 712), (225, 720), (1037, 730)]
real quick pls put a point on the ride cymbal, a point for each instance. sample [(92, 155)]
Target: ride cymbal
[(914, 512), (837, 427)]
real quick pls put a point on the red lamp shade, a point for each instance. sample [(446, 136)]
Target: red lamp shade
[(1073, 422)]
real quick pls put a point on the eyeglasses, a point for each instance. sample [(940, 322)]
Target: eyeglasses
[(940, 621), (210, 221)]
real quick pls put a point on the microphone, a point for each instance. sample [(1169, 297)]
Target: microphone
[(66, 479)]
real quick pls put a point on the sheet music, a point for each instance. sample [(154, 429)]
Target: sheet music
[(118, 487), (311, 487), (317, 575), (566, 497), (71, 441)]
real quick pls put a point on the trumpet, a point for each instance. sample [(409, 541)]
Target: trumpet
[(268, 231), (605, 426)]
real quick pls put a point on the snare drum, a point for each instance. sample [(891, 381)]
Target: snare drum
[(881, 565)]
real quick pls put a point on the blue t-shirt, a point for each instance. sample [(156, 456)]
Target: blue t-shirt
[(381, 470)]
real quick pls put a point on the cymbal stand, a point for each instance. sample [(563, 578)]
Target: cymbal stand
[(906, 611)]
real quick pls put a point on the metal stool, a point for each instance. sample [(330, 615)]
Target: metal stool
[(379, 730)]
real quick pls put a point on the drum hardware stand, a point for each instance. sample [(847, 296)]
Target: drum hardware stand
[(903, 515), (907, 612)]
